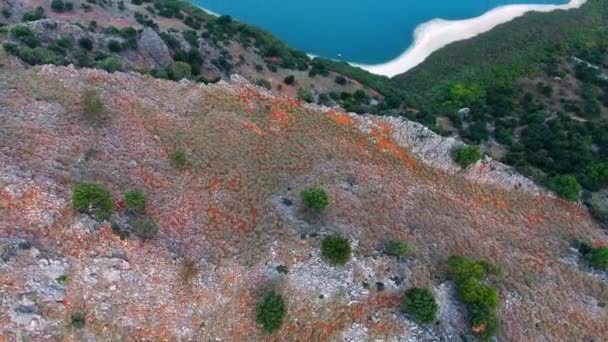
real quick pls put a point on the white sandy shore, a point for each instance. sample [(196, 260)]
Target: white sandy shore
[(437, 33)]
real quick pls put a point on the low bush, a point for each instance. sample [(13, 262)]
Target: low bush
[(397, 248), (336, 250), (115, 46), (341, 80), (85, 43), (566, 186), (289, 80), (315, 198), (597, 257), (78, 320), (92, 199), (109, 64), (92, 106), (421, 304), (305, 94), (180, 159), (270, 312), (466, 156), (144, 227), (179, 70), (482, 300), (136, 201), (264, 83), (34, 15)]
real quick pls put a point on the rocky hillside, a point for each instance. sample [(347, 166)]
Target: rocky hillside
[(222, 168)]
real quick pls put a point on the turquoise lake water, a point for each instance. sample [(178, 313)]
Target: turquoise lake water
[(362, 31)]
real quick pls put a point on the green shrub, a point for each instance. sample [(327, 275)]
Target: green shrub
[(21, 31), (270, 312), (180, 159), (109, 64), (144, 227), (85, 43), (58, 5), (136, 200), (92, 106), (466, 156), (92, 199), (179, 70), (305, 94), (567, 187), (598, 257), (264, 83), (481, 300), (315, 198), (289, 80), (336, 250), (397, 248), (34, 15), (421, 304), (341, 80), (78, 320), (115, 46), (282, 269)]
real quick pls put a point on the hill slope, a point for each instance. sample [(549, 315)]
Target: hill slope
[(230, 213)]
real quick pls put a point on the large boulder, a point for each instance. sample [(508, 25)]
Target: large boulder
[(153, 49)]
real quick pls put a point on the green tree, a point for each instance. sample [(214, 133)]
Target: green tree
[(421, 304), (336, 250), (566, 186), (179, 70), (598, 257), (289, 80), (315, 198), (136, 200), (270, 312), (466, 156), (93, 199)]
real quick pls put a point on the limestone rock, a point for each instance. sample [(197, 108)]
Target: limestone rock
[(153, 49)]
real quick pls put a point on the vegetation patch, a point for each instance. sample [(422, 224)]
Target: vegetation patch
[(78, 320), (482, 300), (398, 248), (466, 156), (92, 199), (144, 227), (315, 198), (596, 257), (136, 201), (421, 304), (336, 250), (270, 312)]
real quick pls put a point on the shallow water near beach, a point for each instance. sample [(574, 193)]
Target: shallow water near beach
[(362, 31)]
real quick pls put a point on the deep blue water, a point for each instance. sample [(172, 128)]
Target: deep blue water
[(362, 31)]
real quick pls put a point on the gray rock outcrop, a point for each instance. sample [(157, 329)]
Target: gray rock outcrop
[(153, 49)]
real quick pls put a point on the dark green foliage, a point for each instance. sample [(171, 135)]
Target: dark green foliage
[(136, 200), (144, 227), (421, 304), (60, 6), (92, 199), (6, 13), (567, 187), (179, 70), (115, 46), (191, 37), (36, 14), (289, 80), (481, 299), (180, 160), (270, 312), (597, 257), (341, 80), (264, 83), (397, 248), (78, 320), (39, 55), (336, 250), (466, 156), (109, 64), (85, 43), (315, 198), (282, 269)]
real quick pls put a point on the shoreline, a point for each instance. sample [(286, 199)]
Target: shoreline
[(437, 33)]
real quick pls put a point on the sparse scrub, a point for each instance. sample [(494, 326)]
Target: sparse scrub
[(180, 159), (336, 250), (466, 156), (270, 312), (189, 270), (341, 80), (109, 64), (315, 198), (92, 106), (305, 94), (597, 257), (264, 83), (92, 199), (78, 320), (290, 80), (421, 304), (136, 201), (144, 227), (398, 248), (481, 299), (282, 269)]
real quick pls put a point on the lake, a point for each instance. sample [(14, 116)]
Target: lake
[(361, 31)]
